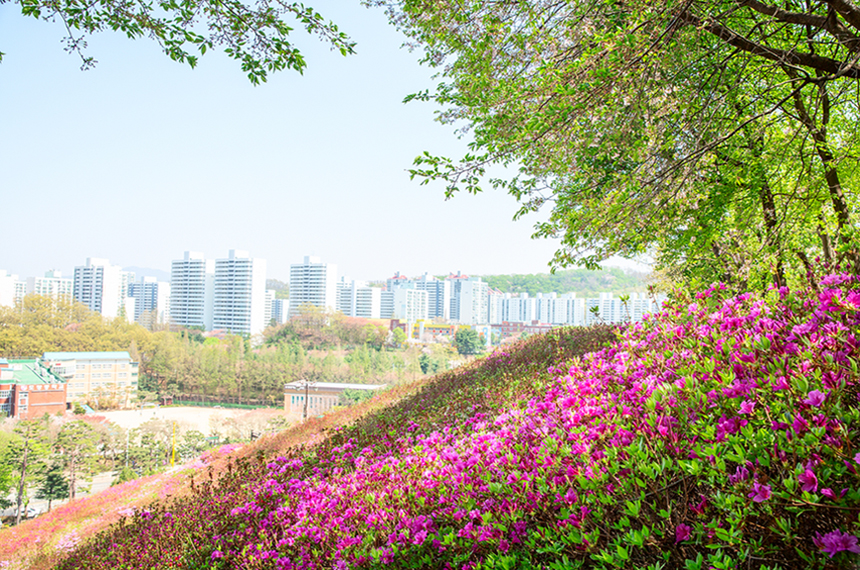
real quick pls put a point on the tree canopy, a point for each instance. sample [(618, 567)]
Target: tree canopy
[(720, 136), (257, 35)]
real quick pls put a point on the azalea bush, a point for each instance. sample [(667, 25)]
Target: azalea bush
[(722, 432)]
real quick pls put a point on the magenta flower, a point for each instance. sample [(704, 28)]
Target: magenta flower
[(815, 398), (857, 458), (747, 407), (836, 541), (683, 532), (759, 493), (808, 481)]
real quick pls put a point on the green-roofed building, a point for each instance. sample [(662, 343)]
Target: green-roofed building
[(107, 379), (30, 389)]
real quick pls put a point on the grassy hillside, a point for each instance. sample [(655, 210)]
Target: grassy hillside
[(722, 433)]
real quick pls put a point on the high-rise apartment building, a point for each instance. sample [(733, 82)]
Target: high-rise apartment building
[(10, 290), (192, 283), (268, 313), (410, 305), (53, 285), (240, 293), (280, 308), (472, 302), (151, 301), (438, 296), (358, 299), (103, 288), (313, 283)]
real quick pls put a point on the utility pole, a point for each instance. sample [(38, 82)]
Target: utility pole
[(305, 411)]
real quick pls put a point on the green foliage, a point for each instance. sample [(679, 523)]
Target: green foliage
[(281, 289), (124, 474), (7, 479), (54, 486), (712, 135), (76, 443), (257, 37), (350, 397), (468, 341), (398, 337), (581, 281)]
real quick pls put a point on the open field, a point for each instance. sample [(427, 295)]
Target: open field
[(201, 419)]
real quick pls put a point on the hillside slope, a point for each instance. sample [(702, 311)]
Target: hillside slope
[(724, 431)]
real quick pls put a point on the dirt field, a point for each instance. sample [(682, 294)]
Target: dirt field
[(201, 419)]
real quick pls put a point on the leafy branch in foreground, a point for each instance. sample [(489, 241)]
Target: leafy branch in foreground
[(258, 37), (720, 136)]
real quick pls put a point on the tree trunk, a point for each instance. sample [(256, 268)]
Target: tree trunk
[(768, 208), (72, 475), (23, 476), (831, 173)]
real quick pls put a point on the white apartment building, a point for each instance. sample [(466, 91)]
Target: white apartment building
[(456, 282), (151, 301), (93, 375), (472, 300), (10, 289), (386, 304), (270, 307), (192, 286), (280, 308), (239, 293), (313, 283), (53, 285), (410, 305), (359, 299), (103, 288), (438, 295)]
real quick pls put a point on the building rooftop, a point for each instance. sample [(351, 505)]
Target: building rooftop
[(333, 386), (31, 372), (85, 355)]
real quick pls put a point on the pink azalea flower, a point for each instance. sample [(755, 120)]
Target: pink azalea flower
[(747, 407), (836, 541), (760, 493), (815, 398), (808, 481), (683, 532)]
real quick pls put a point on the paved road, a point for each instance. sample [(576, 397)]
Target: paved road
[(99, 483)]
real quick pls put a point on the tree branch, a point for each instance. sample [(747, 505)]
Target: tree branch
[(832, 25), (790, 57)]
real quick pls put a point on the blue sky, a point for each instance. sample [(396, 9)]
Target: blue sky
[(143, 158)]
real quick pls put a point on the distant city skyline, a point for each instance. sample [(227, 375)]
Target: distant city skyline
[(141, 159)]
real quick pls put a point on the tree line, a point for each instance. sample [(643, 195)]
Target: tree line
[(583, 282), (316, 345)]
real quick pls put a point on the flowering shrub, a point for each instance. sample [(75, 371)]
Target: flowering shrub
[(721, 432)]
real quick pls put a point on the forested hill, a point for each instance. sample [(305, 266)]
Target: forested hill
[(580, 281)]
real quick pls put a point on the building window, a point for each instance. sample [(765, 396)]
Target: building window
[(79, 375), (80, 367), (5, 393), (122, 375)]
